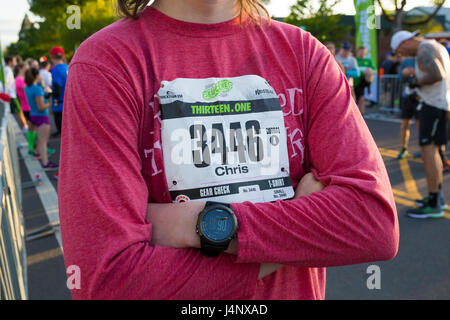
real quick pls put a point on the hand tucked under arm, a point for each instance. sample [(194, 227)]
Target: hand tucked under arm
[(173, 224)]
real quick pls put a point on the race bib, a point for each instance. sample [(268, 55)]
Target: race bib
[(224, 139)]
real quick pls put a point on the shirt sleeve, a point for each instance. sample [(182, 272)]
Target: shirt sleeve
[(354, 219), (39, 92), (10, 85), (55, 78), (103, 204)]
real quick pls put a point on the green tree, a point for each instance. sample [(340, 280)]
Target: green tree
[(37, 39), (95, 15), (397, 16), (318, 18)]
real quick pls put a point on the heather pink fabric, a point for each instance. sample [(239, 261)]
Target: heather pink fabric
[(112, 166), (20, 89)]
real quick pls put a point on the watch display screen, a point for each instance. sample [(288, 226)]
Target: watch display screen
[(217, 225)]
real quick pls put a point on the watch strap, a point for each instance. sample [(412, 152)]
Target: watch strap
[(210, 203), (210, 250)]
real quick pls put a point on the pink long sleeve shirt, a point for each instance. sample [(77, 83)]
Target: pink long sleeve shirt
[(20, 89), (112, 165)]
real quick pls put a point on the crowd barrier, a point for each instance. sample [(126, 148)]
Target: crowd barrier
[(390, 92), (13, 261)]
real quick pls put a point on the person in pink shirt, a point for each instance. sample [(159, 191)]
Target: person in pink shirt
[(30, 133), (210, 153), (20, 70)]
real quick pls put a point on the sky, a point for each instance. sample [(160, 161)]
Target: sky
[(13, 11)]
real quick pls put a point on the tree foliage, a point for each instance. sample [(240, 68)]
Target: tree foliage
[(397, 16), (36, 39), (317, 17)]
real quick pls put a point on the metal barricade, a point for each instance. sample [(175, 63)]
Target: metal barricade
[(390, 91), (13, 261)]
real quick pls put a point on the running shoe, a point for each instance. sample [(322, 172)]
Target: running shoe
[(417, 155), (50, 166), (424, 202), (402, 153), (49, 152), (425, 212)]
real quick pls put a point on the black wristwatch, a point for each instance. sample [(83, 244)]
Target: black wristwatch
[(216, 226)]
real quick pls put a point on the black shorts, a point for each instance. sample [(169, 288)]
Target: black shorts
[(27, 115), (448, 126), (360, 88), (408, 106), (433, 126)]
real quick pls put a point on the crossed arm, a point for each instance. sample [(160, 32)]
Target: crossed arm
[(105, 233), (173, 224), (430, 62)]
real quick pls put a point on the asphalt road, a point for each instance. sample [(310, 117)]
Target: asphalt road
[(420, 270), (421, 267)]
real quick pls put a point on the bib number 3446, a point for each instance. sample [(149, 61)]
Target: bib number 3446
[(243, 144)]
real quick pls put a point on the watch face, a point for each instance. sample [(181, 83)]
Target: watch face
[(217, 225)]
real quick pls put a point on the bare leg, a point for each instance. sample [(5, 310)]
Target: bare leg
[(433, 167), (362, 105), (21, 119), (43, 132), (31, 127), (405, 133)]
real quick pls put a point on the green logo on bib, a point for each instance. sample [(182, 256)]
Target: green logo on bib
[(223, 86)]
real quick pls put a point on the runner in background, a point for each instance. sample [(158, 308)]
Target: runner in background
[(20, 71), (332, 48), (32, 63), (350, 64), (431, 77), (409, 102), (46, 83), (367, 72), (445, 160), (59, 77), (137, 86), (39, 115), (10, 86), (390, 65), (46, 76)]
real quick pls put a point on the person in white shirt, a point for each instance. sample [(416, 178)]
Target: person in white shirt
[(351, 69), (431, 79), (46, 76), (10, 90), (10, 85)]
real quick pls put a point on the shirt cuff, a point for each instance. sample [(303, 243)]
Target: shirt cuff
[(243, 234)]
